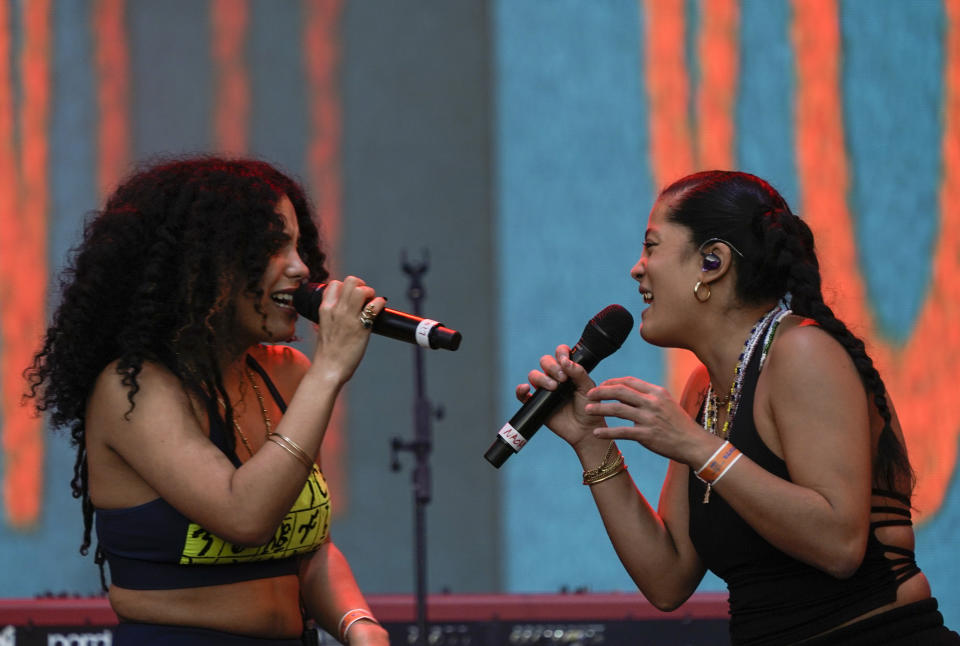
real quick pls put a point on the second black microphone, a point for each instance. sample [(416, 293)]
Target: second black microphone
[(602, 336), (397, 325)]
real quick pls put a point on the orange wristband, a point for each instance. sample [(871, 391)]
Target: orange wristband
[(714, 468)]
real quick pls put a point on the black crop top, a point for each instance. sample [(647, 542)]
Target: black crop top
[(154, 547), (774, 598)]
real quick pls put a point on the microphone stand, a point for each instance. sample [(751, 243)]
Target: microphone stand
[(421, 445)]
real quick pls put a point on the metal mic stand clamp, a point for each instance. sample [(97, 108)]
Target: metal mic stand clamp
[(423, 413)]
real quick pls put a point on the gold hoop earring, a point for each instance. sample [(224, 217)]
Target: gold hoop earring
[(696, 291)]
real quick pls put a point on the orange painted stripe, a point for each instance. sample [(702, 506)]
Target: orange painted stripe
[(719, 57), (25, 267), (922, 375), (668, 88), (229, 19), (719, 51), (671, 137), (9, 225), (9, 187), (321, 41), (821, 152), (668, 81), (112, 59), (919, 376)]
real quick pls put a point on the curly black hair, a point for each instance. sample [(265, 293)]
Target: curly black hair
[(779, 258), (153, 279)]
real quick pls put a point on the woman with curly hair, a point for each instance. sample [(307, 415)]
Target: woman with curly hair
[(788, 475), (198, 440)]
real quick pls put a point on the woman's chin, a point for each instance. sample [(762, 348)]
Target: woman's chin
[(644, 329), (649, 334), (645, 332), (285, 335)]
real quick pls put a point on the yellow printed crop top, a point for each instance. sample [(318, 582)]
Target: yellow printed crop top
[(302, 530), (154, 547)]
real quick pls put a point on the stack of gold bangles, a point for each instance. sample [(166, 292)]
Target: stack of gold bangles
[(292, 448), (609, 467)]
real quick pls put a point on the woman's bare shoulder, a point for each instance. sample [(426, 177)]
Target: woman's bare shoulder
[(285, 364), (800, 343), (115, 386)]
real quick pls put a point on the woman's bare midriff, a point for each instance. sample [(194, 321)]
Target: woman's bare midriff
[(266, 608)]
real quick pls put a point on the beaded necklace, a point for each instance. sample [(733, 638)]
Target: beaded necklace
[(768, 322)]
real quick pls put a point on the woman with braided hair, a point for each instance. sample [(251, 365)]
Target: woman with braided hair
[(198, 439), (788, 475)]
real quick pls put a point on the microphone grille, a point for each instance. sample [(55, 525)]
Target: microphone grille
[(306, 300), (607, 331)]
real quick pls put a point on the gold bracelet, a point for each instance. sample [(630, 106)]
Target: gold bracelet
[(606, 457), (296, 447), (300, 458), (608, 468), (621, 467), (304, 456)]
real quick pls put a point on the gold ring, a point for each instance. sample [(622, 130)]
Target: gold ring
[(366, 320), (369, 309)]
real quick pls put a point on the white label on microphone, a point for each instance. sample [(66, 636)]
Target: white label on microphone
[(512, 437), (423, 332)]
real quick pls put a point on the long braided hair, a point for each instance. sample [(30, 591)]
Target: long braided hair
[(779, 258), (154, 279)]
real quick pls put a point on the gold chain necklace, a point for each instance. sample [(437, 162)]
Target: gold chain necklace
[(263, 408), (236, 425), (263, 411)]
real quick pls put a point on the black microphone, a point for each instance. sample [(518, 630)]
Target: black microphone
[(601, 337), (426, 333)]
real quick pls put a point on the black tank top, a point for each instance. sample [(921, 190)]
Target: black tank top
[(774, 598)]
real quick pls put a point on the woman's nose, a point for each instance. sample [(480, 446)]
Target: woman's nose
[(297, 268)]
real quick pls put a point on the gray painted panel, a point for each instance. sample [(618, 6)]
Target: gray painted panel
[(416, 169)]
